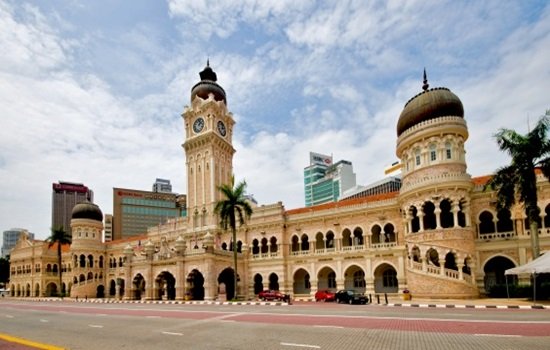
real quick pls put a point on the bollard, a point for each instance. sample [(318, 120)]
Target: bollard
[(386, 298), (370, 298), (377, 299)]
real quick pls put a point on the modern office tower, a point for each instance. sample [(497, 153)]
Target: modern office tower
[(162, 185), (108, 228), (65, 195), (134, 211), (9, 239), (324, 181)]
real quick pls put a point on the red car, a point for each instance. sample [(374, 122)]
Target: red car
[(270, 295), (325, 295)]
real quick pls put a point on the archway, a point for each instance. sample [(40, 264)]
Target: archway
[(227, 276), (385, 279), (494, 273), (112, 288), (28, 290), (258, 283), (195, 285), (166, 286), (273, 281), (51, 289), (326, 278), (139, 286), (37, 290), (301, 284), (354, 278), (100, 291)]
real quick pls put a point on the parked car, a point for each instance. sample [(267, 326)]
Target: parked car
[(270, 295), (350, 296), (325, 295)]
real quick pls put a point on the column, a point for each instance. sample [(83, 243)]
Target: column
[(437, 213), (420, 220), (455, 209), (442, 267)]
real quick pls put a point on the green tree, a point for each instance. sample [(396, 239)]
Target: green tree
[(59, 236), (231, 207), (517, 181)]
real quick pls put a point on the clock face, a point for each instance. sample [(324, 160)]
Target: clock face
[(198, 125), (221, 128)]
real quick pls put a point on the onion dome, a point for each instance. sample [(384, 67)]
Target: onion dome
[(208, 85), (87, 210), (429, 104)]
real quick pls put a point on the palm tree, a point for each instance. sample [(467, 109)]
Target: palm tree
[(517, 181), (234, 205), (59, 236)]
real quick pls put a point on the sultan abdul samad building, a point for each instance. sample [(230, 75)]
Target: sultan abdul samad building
[(440, 236)]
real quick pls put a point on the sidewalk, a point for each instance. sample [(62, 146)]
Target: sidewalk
[(393, 301)]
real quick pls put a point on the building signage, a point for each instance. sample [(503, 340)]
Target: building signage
[(317, 158)]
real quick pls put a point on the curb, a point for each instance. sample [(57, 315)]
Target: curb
[(460, 306), (168, 302)]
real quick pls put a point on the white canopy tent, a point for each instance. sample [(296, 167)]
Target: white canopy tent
[(539, 265)]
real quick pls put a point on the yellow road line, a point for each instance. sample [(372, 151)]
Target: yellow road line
[(30, 343)]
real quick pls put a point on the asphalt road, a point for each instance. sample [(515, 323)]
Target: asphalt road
[(300, 326)]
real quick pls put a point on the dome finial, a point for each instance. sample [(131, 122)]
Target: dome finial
[(208, 61), (426, 85)]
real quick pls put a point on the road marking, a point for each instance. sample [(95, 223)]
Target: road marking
[(497, 335), (101, 314), (95, 325), (30, 343), (9, 316), (172, 333), (301, 345), (45, 321), (321, 326), (152, 316)]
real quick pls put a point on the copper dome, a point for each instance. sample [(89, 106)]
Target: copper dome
[(87, 210), (208, 85), (429, 104)]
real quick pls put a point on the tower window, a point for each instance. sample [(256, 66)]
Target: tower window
[(448, 152), (433, 154), (417, 157)]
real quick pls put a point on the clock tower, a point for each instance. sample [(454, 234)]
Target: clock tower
[(208, 149)]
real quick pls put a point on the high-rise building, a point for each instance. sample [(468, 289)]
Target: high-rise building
[(10, 237), (65, 195), (324, 181), (108, 228), (162, 185), (134, 211)]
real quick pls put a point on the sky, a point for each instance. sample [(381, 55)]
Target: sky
[(92, 91)]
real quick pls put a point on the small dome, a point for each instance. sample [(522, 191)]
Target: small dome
[(429, 104), (208, 85), (87, 210)]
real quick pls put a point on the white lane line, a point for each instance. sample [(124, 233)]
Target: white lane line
[(172, 333), (497, 335), (301, 345), (321, 326), (152, 316), (62, 312), (9, 316), (95, 325), (43, 320), (101, 314)]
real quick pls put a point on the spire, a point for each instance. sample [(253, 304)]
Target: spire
[(426, 85), (208, 73), (208, 62)]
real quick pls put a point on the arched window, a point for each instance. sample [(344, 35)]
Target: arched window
[(417, 156), (389, 278), (486, 224), (295, 244), (429, 216), (264, 249), (447, 218), (255, 247), (448, 150), (359, 279), (504, 223), (273, 244), (376, 231), (433, 153), (415, 222)]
